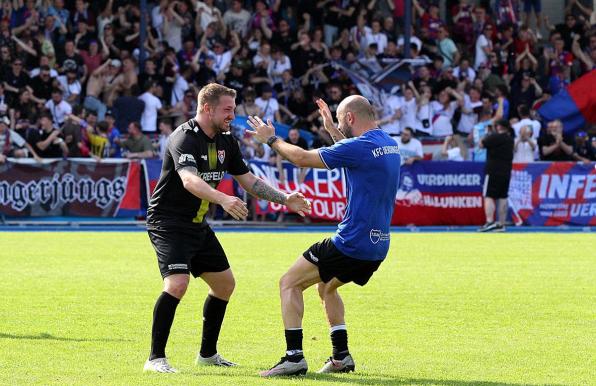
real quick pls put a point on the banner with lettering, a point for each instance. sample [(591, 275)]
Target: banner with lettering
[(325, 189), (556, 193), (77, 187), (440, 193)]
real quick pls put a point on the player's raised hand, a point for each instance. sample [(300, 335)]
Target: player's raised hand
[(325, 114), (296, 202), (235, 207), (262, 131)]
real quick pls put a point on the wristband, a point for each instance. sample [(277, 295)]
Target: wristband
[(272, 140)]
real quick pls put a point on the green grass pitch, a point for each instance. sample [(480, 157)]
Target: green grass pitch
[(444, 309)]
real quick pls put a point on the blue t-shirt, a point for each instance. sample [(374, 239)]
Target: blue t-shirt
[(478, 132), (371, 164)]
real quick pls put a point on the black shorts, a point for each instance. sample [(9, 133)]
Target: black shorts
[(332, 263), (496, 186), (192, 251)]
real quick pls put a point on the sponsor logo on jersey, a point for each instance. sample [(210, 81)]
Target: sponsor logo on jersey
[(376, 236), (221, 156), (212, 176), (204, 157), (186, 158)]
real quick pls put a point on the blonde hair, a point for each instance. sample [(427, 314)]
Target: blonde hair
[(211, 93)]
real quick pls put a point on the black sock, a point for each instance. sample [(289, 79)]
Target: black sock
[(213, 316), (339, 340), (294, 342), (163, 316)]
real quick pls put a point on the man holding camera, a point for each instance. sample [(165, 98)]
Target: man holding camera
[(499, 161)]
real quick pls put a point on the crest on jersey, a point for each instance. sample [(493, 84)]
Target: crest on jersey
[(221, 156)]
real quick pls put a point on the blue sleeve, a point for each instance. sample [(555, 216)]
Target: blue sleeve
[(343, 154)]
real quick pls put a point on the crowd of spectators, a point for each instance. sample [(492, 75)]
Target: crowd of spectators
[(71, 84)]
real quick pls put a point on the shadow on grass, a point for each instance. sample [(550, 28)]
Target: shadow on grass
[(388, 380), (375, 379), (46, 336)]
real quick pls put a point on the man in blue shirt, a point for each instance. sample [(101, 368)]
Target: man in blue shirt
[(371, 162)]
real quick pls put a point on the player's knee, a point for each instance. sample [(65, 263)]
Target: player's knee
[(286, 282), (176, 286), (227, 287)]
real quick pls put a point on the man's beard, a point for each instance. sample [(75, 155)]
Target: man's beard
[(220, 127), (347, 131)]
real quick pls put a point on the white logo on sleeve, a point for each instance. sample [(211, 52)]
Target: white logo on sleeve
[(313, 257), (184, 158), (376, 236)]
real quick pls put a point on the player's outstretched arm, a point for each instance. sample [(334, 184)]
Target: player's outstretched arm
[(259, 188), (195, 184), (265, 133)]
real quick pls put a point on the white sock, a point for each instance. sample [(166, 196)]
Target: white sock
[(337, 328)]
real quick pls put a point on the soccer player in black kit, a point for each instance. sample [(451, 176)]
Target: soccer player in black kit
[(199, 153)]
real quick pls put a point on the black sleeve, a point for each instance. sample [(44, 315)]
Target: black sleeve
[(236, 167), (491, 140), (182, 149)]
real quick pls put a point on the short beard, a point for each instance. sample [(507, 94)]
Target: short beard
[(219, 128), (348, 131)]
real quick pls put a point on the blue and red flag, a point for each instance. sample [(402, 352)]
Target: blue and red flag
[(575, 106)]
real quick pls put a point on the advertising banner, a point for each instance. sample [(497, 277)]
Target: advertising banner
[(440, 193), (556, 193), (445, 193), (70, 188)]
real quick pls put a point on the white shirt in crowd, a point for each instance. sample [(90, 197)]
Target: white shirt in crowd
[(408, 114), (178, 90), (69, 88), (392, 105), (469, 119), (208, 15), (258, 58), (413, 40), (360, 37), (221, 63), (149, 117), (535, 125), (59, 111), (276, 67), (237, 21), (481, 57), (442, 116), (523, 152), (425, 114), (408, 150), (33, 73), (380, 38), (468, 73), (13, 137), (454, 154), (268, 107)]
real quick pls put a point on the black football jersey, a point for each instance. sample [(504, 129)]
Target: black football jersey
[(188, 145)]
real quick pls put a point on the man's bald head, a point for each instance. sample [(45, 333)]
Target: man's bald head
[(359, 106), (355, 116)]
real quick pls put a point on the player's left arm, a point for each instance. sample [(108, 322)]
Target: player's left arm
[(261, 189), (265, 133)]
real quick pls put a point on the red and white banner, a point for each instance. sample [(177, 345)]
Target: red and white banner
[(70, 188)]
